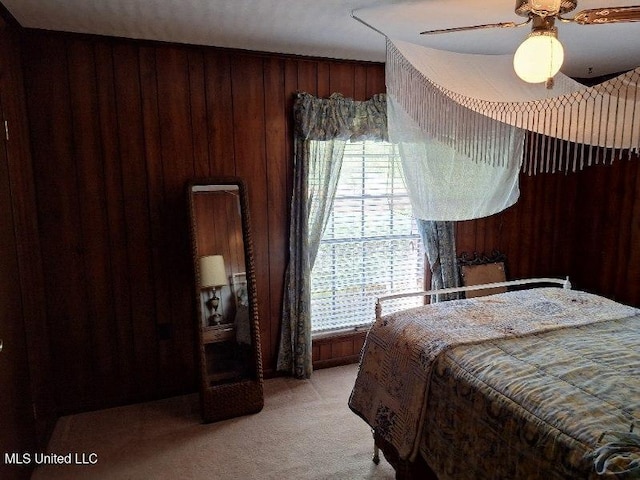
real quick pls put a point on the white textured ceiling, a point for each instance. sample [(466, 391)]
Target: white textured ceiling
[(325, 27)]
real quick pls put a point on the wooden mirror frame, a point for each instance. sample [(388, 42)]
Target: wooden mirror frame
[(244, 394)]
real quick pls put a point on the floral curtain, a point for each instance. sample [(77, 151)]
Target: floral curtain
[(440, 246), (322, 127)]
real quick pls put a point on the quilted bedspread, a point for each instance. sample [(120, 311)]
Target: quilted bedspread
[(405, 351), (538, 407)]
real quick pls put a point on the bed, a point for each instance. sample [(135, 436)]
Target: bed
[(537, 383)]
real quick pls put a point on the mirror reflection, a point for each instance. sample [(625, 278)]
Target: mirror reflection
[(227, 322), (220, 253)]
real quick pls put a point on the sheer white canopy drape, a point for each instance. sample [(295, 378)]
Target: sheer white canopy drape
[(444, 184), (463, 121), (462, 99)]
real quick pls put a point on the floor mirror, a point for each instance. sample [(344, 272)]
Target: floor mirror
[(228, 333)]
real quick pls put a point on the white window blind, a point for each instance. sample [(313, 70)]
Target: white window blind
[(371, 246)]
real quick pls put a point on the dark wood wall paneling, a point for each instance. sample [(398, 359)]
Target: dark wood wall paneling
[(18, 426), (585, 225), (27, 411), (118, 129)]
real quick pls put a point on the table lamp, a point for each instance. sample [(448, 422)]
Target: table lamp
[(212, 276)]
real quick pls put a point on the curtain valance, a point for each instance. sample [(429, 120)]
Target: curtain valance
[(340, 118)]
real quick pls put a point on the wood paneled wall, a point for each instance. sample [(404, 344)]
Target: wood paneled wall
[(27, 411), (18, 427), (117, 129), (585, 225)]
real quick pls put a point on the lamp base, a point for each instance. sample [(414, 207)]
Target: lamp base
[(212, 304), (214, 319)]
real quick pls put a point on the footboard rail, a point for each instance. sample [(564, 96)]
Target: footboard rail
[(511, 283), (565, 283)]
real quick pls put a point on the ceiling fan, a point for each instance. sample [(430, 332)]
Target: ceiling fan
[(541, 55)]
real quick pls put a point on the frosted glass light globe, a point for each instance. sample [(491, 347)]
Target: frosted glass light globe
[(538, 58)]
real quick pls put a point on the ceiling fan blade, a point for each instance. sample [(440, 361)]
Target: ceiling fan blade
[(475, 27), (608, 15)]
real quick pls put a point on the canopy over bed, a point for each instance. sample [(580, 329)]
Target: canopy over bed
[(443, 91), (466, 125)]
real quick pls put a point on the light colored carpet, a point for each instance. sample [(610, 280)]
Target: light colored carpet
[(305, 431)]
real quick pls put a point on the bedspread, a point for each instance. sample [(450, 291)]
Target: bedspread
[(391, 391), (536, 407)]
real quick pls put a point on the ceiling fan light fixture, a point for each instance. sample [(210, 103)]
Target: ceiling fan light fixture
[(545, 7), (539, 57)]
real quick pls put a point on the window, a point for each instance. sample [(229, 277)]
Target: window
[(371, 246)]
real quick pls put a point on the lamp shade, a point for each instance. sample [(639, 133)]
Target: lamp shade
[(538, 58), (212, 271)]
